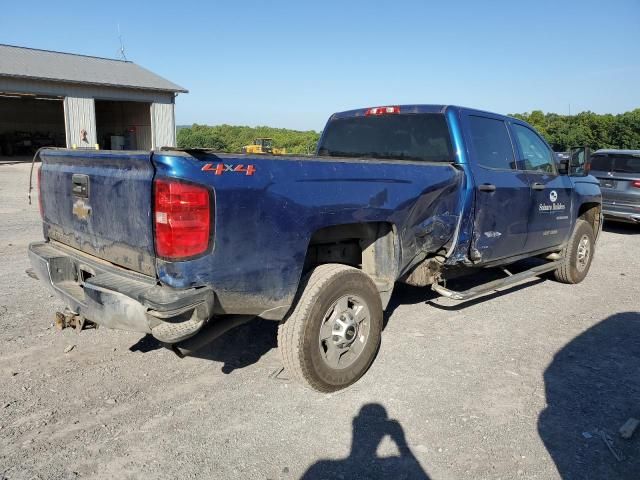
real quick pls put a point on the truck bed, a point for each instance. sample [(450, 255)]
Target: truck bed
[(267, 208)]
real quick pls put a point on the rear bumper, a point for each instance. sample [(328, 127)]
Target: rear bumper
[(623, 213), (118, 298)]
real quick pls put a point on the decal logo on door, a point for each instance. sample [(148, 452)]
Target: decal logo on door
[(222, 168), (81, 210), (554, 206)]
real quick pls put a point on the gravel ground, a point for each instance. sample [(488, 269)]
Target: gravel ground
[(519, 384)]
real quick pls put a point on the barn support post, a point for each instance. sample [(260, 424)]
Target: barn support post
[(80, 122), (163, 125)]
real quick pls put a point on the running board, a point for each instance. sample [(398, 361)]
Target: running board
[(496, 284)]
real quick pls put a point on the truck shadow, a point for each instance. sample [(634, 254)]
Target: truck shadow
[(593, 385), (238, 348), (247, 344), (409, 295), (241, 346), (5, 160), (370, 427), (146, 344), (621, 228)]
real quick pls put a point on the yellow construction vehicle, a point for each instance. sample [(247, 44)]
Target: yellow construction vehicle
[(263, 145)]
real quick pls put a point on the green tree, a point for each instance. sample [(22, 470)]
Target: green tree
[(231, 138), (587, 128)]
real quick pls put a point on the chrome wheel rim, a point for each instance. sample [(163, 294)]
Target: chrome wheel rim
[(344, 332), (583, 253)]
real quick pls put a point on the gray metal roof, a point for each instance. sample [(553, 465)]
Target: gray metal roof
[(21, 62)]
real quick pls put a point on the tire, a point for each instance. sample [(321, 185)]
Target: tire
[(578, 254), (332, 335)]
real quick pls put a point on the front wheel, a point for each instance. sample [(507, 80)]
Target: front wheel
[(578, 254), (333, 333)]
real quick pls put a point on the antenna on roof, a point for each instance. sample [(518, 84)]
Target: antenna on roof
[(123, 56)]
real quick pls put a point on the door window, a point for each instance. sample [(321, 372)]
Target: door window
[(491, 143), (536, 155)]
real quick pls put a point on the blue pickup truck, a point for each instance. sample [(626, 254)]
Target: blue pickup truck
[(185, 244)]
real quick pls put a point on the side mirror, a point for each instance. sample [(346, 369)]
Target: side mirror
[(580, 161), (563, 166)]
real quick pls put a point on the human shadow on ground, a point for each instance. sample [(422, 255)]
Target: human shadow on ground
[(593, 385), (370, 427)]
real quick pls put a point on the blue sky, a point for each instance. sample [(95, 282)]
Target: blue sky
[(292, 63)]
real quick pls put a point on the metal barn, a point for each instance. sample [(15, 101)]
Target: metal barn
[(63, 99)]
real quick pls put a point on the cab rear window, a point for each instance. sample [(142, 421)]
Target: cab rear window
[(416, 136)]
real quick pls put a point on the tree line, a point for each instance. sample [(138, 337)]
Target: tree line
[(230, 138), (561, 131), (587, 129)]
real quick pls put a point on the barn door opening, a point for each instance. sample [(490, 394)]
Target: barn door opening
[(123, 125), (28, 122)]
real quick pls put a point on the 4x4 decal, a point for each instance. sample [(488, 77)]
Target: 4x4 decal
[(221, 168)]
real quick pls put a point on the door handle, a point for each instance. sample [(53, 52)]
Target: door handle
[(487, 187), (538, 186)]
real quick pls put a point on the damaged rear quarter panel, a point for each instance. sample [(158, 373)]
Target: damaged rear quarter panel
[(264, 221)]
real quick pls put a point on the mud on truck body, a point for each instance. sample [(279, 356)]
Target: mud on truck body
[(185, 244)]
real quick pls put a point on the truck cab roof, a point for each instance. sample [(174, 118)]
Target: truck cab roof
[(416, 108)]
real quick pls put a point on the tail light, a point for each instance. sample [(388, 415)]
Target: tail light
[(39, 177), (182, 219), (636, 183), (382, 111)]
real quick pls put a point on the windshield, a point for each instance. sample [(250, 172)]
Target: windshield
[(422, 137)]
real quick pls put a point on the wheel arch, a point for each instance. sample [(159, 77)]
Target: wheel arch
[(591, 212), (373, 247)]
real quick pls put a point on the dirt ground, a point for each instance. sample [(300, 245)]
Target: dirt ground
[(519, 384)]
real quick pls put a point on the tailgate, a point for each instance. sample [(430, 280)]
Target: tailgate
[(100, 203)]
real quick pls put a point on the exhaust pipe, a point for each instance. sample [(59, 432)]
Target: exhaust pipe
[(208, 334)]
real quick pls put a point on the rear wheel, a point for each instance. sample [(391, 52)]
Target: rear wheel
[(332, 335), (578, 254)]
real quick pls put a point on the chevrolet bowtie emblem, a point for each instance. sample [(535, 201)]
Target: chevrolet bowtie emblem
[(81, 209)]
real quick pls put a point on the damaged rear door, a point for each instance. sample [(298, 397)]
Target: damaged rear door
[(502, 192)]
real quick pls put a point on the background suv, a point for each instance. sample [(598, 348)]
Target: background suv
[(619, 174)]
